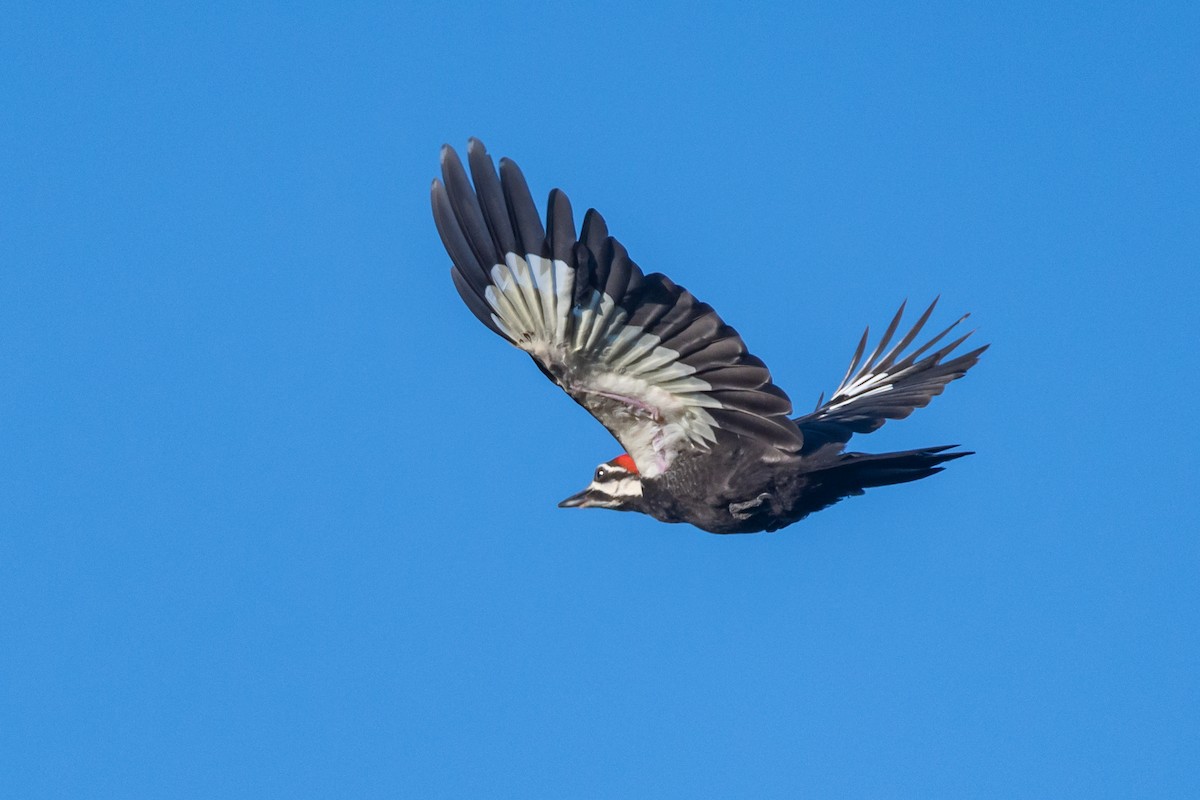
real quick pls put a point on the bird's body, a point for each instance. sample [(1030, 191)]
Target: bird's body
[(761, 493), (710, 439), (759, 496)]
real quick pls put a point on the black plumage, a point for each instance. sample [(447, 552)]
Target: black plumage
[(711, 439)]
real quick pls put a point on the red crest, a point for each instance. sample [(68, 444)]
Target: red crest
[(625, 461)]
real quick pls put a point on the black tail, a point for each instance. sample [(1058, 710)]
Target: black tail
[(853, 473)]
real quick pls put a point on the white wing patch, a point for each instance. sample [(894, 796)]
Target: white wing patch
[(865, 386), (619, 372)]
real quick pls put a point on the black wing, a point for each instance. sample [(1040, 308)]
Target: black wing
[(886, 385), (654, 365)]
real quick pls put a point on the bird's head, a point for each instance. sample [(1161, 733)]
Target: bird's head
[(615, 485)]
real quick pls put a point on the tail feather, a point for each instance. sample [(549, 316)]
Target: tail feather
[(868, 470), (853, 473)]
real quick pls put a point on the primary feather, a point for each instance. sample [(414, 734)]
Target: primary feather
[(658, 368)]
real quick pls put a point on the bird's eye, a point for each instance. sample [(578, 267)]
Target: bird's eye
[(601, 473)]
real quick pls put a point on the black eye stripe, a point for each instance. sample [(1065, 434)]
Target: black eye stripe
[(607, 472)]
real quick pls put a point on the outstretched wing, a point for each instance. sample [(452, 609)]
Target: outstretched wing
[(886, 385), (654, 365)]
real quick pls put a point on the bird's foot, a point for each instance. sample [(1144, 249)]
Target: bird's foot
[(745, 510)]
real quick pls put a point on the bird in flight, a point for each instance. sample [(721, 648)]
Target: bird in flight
[(709, 439)]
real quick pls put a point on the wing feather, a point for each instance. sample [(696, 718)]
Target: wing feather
[(531, 236), (887, 386), (658, 368)]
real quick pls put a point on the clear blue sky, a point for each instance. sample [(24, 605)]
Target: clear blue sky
[(277, 514)]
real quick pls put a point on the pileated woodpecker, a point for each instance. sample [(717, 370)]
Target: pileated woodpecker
[(709, 439)]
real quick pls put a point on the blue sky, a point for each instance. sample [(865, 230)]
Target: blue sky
[(277, 515)]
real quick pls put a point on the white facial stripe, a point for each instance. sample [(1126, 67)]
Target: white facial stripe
[(628, 487), (620, 489)]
